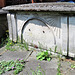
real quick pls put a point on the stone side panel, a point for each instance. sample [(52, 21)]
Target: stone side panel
[(72, 36), (45, 29), (36, 31), (64, 34)]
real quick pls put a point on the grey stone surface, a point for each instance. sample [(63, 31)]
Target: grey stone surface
[(3, 12), (10, 26), (50, 68), (47, 35), (64, 34), (66, 68), (55, 6), (72, 35), (14, 27), (13, 55), (2, 50)]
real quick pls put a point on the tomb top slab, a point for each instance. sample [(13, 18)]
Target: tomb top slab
[(55, 6), (2, 11)]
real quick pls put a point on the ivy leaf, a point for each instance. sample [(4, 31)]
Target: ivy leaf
[(48, 59), (42, 53), (8, 68), (16, 71), (72, 66), (39, 57), (46, 53), (39, 72), (42, 58)]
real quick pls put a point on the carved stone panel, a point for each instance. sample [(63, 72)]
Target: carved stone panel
[(64, 34), (46, 31), (37, 32), (72, 36)]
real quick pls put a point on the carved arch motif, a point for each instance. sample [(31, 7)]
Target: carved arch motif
[(36, 18)]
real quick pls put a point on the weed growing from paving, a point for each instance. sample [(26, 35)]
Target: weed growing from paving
[(17, 66), (44, 55), (9, 45), (12, 46), (55, 49), (15, 46), (73, 66), (38, 71), (58, 69), (59, 65)]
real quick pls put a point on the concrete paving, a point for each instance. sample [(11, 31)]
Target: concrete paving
[(50, 68), (13, 55), (66, 68)]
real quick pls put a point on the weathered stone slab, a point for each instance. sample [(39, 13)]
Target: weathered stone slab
[(72, 36), (64, 34), (41, 28), (14, 27), (3, 12), (53, 6), (13, 55), (50, 68), (10, 26)]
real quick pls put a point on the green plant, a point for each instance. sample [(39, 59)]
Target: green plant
[(26, 46), (38, 71), (23, 46), (44, 55), (73, 66), (16, 65), (60, 52), (14, 46), (59, 65), (58, 69), (9, 45), (55, 49)]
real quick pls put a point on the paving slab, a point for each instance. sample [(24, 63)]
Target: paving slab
[(66, 68), (13, 55), (2, 49), (50, 68)]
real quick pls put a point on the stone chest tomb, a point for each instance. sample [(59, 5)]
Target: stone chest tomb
[(48, 24)]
